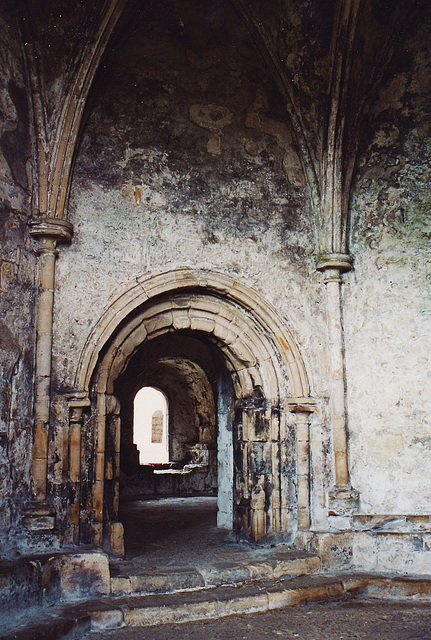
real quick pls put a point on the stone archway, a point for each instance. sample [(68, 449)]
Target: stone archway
[(268, 380)]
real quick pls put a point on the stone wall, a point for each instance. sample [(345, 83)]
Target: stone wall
[(187, 158), (388, 297), (184, 162), (17, 282), (149, 193)]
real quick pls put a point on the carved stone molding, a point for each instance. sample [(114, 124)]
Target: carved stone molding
[(301, 405)]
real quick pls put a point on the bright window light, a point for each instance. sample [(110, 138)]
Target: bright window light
[(150, 426)]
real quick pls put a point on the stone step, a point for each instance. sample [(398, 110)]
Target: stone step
[(72, 621), (217, 602), (235, 570)]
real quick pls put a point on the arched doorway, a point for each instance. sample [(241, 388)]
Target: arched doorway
[(254, 370)]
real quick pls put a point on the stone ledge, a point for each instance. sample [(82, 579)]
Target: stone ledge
[(378, 523), (398, 523), (375, 550)]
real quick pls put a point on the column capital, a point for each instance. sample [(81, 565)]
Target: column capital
[(51, 228), (301, 405), (78, 400), (112, 405), (343, 500), (337, 262)]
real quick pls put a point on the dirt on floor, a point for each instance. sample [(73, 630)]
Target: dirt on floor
[(328, 621)]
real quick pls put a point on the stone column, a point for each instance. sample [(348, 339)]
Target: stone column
[(343, 500), (49, 233), (302, 408), (115, 528), (257, 510), (99, 472), (77, 405)]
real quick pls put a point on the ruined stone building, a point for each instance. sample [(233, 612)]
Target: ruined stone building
[(227, 201)]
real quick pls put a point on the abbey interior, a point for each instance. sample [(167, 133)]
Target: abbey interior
[(227, 201)]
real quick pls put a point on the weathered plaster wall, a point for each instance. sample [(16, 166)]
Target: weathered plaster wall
[(16, 281), (183, 163), (154, 191), (187, 159), (388, 298)]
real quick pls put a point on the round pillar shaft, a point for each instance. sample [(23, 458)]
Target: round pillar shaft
[(49, 233), (342, 498)]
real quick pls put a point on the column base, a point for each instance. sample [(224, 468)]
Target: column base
[(343, 500)]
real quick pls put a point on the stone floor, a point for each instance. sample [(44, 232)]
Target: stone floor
[(161, 535), (328, 621), (170, 530)]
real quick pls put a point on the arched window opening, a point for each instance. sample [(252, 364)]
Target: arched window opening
[(157, 427), (150, 426)]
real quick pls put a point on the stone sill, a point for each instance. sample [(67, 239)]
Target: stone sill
[(187, 469), (382, 523)]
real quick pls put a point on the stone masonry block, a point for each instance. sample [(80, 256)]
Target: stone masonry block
[(80, 575)]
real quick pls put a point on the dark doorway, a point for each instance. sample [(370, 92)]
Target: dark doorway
[(191, 373)]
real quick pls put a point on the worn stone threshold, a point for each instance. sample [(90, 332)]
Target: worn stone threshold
[(72, 621), (233, 567)]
